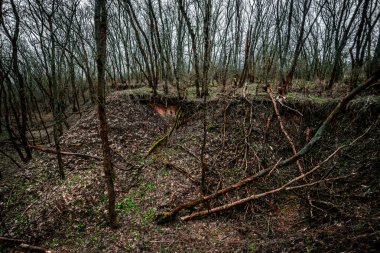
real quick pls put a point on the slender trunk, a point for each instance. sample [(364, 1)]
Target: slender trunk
[(179, 52), (193, 46), (376, 57), (8, 127), (206, 66), (19, 79), (75, 102), (101, 44), (246, 56), (300, 42)]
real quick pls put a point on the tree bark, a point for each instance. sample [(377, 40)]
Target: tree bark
[(206, 66), (19, 77), (101, 43), (193, 46)]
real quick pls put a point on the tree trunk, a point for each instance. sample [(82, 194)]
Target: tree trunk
[(19, 79), (193, 46), (206, 66), (55, 98), (101, 43)]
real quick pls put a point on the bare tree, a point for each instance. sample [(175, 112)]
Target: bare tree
[(206, 66), (194, 46), (18, 77), (100, 19)]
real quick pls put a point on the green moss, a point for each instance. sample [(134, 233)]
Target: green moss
[(91, 165), (251, 247), (150, 185), (80, 227), (127, 204), (73, 180), (149, 214), (211, 125)]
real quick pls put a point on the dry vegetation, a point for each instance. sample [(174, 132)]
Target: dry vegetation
[(68, 216)]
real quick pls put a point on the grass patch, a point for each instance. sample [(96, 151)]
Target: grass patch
[(149, 214), (130, 203)]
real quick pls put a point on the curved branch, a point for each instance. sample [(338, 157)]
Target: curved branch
[(166, 216)]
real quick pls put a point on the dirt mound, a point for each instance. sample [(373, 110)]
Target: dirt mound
[(340, 214)]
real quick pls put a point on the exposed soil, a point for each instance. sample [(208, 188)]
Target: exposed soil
[(332, 216)]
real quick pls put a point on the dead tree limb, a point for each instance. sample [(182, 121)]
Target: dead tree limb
[(166, 216), (51, 151), (269, 90), (184, 172), (11, 240), (321, 130), (22, 245), (167, 134), (318, 182), (283, 187), (31, 248), (10, 158)]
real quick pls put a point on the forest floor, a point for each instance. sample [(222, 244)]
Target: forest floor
[(331, 216)]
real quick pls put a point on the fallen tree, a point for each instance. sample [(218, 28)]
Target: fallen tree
[(281, 188), (286, 134), (170, 215), (51, 151), (167, 134), (21, 245)]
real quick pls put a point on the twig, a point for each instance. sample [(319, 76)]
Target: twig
[(190, 152), (172, 166), (274, 167), (22, 244), (342, 104), (10, 158), (165, 216), (26, 209), (269, 90), (318, 182), (284, 105), (11, 240), (364, 235), (51, 151), (32, 248), (167, 135), (284, 186)]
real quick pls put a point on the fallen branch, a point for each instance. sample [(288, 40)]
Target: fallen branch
[(166, 216), (318, 182), (23, 245), (10, 158), (189, 152), (269, 90), (321, 130), (185, 173), (167, 134), (294, 110), (51, 151), (11, 240), (284, 186), (32, 248)]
